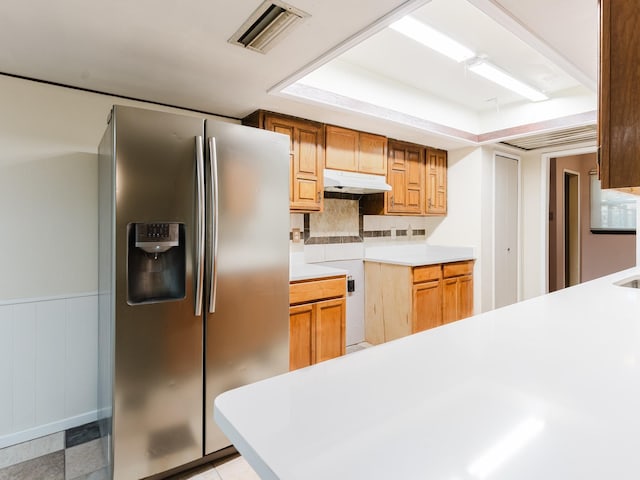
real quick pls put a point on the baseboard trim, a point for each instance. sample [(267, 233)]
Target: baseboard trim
[(47, 429)]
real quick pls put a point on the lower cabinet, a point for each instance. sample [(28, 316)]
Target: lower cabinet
[(457, 292), (401, 300), (317, 316)]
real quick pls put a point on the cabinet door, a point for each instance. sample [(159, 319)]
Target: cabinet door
[(465, 296), (308, 176), (341, 148), (405, 164), (329, 329), (301, 351), (449, 300), (619, 96), (307, 161), (436, 182), (427, 305), (286, 128), (372, 154)]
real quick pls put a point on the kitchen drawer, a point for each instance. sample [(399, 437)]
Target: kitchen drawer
[(426, 273), (314, 290), (457, 269)]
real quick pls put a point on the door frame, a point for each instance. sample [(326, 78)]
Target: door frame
[(544, 206), (517, 158), (565, 172)]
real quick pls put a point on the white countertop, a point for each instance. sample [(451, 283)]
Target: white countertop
[(306, 271), (545, 389), (413, 255)]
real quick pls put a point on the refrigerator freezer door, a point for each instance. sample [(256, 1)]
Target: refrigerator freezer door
[(246, 339), (157, 398)]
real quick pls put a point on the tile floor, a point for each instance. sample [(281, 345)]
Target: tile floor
[(76, 454), (234, 469), (71, 455)]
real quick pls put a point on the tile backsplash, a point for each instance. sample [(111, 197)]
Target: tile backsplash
[(341, 223), (340, 218)]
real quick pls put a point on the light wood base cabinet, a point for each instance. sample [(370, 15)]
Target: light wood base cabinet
[(457, 299), (317, 316), (402, 300)]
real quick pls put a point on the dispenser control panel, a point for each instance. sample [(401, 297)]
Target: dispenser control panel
[(157, 237)]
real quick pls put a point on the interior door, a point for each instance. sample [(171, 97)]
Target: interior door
[(571, 188), (506, 231)]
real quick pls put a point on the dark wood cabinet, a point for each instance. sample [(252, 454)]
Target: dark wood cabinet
[(619, 94)]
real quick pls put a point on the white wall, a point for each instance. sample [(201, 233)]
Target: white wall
[(533, 257), (48, 255), (466, 211), (48, 366), (535, 173), (48, 187)]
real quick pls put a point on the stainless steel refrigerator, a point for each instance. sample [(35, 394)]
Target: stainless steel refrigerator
[(193, 280)]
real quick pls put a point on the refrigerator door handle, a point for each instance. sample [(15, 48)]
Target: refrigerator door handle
[(200, 225), (214, 245)]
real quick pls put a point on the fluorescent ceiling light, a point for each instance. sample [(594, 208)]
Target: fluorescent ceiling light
[(496, 75), (432, 38)]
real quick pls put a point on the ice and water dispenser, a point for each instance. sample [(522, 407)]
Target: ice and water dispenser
[(156, 262)]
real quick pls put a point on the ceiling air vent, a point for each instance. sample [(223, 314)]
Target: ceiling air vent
[(587, 133), (266, 25)]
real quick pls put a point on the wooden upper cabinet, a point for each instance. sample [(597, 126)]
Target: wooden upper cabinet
[(619, 95), (373, 154), (306, 157), (436, 182), (405, 164), (341, 148), (355, 151)]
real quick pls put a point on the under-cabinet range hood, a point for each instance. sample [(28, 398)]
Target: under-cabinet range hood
[(355, 183)]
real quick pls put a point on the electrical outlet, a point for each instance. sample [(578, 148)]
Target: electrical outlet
[(295, 235)]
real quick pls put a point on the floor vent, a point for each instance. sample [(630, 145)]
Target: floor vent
[(267, 25)]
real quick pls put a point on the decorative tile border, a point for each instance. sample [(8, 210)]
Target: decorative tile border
[(399, 233), (382, 228)]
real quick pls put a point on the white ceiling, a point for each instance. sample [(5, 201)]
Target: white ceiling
[(176, 53)]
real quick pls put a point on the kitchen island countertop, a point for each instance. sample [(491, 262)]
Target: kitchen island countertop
[(548, 388)]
